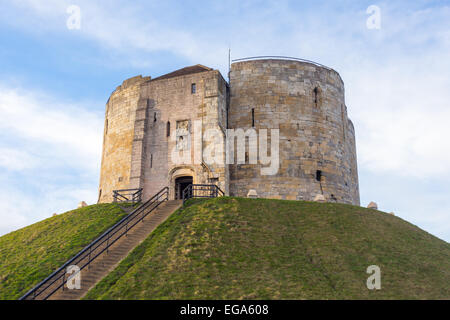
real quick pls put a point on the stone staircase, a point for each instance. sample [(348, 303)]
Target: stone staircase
[(105, 263)]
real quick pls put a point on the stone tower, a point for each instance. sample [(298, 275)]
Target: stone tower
[(148, 118), (317, 141)]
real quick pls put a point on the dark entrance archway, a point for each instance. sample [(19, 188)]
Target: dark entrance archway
[(181, 183)]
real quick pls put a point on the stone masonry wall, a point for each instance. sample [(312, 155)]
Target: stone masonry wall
[(306, 102), (352, 177), (118, 138), (170, 100)]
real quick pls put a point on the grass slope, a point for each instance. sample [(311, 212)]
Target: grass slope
[(234, 248), (29, 255)]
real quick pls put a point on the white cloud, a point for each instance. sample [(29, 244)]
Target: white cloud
[(400, 114), (20, 209), (12, 213), (49, 156), (16, 160), (117, 26), (63, 131)]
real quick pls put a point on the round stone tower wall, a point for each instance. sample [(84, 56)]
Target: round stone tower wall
[(118, 136), (306, 103)]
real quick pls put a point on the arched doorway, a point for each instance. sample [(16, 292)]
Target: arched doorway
[(181, 183)]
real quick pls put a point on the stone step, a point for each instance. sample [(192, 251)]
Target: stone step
[(106, 262)]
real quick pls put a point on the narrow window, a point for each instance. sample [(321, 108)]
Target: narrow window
[(316, 94), (253, 117), (106, 127), (151, 160), (168, 128), (154, 117), (318, 175), (193, 88)]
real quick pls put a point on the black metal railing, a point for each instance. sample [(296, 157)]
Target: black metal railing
[(127, 195), (202, 191), (58, 279), (281, 58)]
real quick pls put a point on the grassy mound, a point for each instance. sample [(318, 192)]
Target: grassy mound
[(233, 248), (29, 255)]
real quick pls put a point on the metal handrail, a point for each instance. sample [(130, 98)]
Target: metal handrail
[(124, 194), (89, 252), (202, 191), (281, 57)]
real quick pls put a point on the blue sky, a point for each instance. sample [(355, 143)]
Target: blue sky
[(55, 81)]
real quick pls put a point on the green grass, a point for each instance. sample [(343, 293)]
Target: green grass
[(29, 255), (234, 248)]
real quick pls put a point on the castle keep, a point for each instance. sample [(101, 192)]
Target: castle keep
[(146, 119)]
